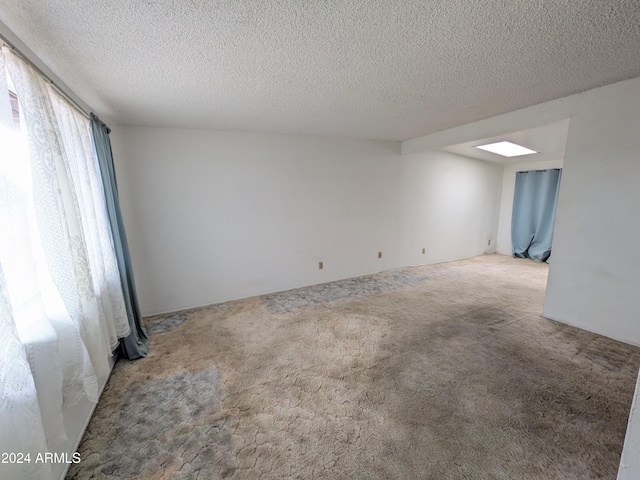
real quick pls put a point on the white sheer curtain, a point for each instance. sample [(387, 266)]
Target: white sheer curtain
[(61, 304)]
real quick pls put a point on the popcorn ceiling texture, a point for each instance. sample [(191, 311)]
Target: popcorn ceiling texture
[(389, 70), (442, 371)]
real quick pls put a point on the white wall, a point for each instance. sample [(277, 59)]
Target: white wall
[(449, 205), (594, 278), (630, 461), (214, 216), (503, 241)]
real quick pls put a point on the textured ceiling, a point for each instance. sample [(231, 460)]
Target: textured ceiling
[(364, 68)]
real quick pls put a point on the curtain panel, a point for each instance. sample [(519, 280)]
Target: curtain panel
[(135, 344), (534, 213), (62, 307)]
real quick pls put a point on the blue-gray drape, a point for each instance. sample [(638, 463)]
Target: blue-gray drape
[(534, 213), (135, 345)]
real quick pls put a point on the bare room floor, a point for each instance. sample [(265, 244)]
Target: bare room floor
[(443, 371)]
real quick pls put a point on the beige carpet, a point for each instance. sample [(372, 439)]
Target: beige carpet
[(445, 371)]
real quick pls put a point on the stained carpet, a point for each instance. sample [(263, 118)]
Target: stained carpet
[(444, 371)]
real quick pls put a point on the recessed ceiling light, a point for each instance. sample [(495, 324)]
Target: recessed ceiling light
[(506, 149)]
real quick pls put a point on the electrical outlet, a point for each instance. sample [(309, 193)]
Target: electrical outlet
[(379, 254), (423, 251), (320, 265)]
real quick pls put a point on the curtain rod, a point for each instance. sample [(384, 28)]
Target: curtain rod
[(53, 84)]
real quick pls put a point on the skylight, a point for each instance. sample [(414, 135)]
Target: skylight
[(506, 149)]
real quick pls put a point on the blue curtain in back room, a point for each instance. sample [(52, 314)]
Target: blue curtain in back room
[(534, 213), (135, 345)]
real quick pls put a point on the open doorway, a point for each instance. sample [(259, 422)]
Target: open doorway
[(548, 144)]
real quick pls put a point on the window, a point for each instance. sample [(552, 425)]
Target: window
[(61, 302)]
